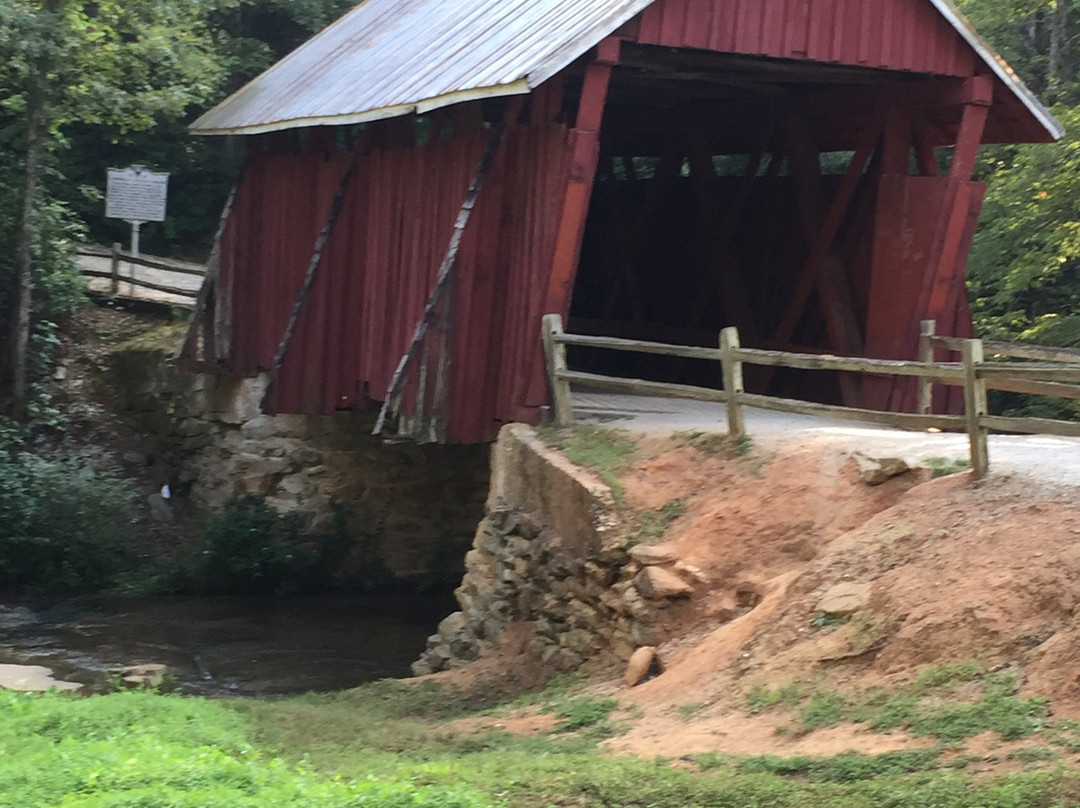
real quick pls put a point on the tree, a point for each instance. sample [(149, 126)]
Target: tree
[(125, 64)]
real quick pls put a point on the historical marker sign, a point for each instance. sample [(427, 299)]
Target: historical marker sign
[(136, 194)]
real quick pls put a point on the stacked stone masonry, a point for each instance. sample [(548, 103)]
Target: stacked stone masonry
[(551, 553)]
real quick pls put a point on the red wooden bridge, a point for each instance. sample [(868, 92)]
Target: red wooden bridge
[(426, 180)]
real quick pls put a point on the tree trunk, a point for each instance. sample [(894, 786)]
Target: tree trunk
[(24, 244), (1055, 74)]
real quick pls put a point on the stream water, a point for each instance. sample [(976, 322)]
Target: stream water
[(240, 646)]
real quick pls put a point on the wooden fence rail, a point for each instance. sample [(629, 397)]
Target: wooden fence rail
[(117, 257), (1054, 373)]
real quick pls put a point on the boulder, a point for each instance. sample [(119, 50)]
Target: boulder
[(844, 599), (151, 675), (659, 583), (643, 663), (649, 555), (877, 470)]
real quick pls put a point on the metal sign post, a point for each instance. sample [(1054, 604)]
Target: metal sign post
[(136, 195)]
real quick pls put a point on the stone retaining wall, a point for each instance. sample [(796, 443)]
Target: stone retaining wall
[(552, 555), (409, 509)]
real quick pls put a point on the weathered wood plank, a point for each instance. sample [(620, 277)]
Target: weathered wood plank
[(975, 407), (638, 346), (157, 287), (904, 420), (926, 356), (643, 388), (895, 367), (555, 354), (1017, 372), (1033, 426), (733, 381)]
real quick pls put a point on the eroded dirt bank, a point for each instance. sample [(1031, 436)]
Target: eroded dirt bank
[(945, 573)]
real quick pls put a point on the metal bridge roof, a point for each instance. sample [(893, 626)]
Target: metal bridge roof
[(387, 58)]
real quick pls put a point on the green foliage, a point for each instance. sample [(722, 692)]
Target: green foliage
[(583, 712), (142, 749), (64, 522), (931, 706), (608, 452), (944, 466), (843, 768), (247, 548), (652, 525)]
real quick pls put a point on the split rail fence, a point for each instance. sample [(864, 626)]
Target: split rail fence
[(118, 258), (1054, 372)]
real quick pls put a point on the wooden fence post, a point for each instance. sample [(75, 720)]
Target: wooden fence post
[(555, 354), (975, 408), (114, 270), (927, 330), (733, 381)]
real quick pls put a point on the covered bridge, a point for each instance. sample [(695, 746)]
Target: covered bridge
[(426, 178)]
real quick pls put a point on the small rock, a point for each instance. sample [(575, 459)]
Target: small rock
[(876, 470), (150, 675), (658, 583), (689, 571), (844, 599), (650, 555), (159, 508), (643, 663)]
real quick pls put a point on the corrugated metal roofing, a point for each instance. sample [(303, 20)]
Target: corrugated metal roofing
[(394, 57)]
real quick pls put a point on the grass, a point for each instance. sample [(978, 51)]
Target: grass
[(607, 452), (930, 707), (943, 466), (381, 746), (715, 444), (652, 525)]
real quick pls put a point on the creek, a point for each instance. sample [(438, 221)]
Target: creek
[(218, 646)]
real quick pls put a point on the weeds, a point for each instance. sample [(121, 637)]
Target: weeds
[(922, 708), (605, 451), (652, 525), (944, 466), (713, 444)]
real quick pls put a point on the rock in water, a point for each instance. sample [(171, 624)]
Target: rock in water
[(32, 678), (151, 675)]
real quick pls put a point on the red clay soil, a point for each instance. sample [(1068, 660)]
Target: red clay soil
[(958, 571)]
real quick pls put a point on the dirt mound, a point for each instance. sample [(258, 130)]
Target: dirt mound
[(956, 572)]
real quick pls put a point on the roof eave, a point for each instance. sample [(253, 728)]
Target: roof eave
[(519, 87), (1000, 68)]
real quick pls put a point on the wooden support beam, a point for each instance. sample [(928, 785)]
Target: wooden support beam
[(824, 269), (713, 217), (733, 382), (822, 240), (975, 409), (585, 152), (443, 280)]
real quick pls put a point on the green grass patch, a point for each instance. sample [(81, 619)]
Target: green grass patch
[(944, 466), (652, 525), (930, 707), (608, 452), (380, 747)]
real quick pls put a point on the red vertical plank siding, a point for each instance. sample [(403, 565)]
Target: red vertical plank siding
[(379, 267), (907, 35)]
